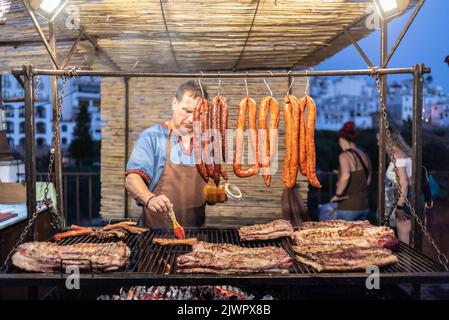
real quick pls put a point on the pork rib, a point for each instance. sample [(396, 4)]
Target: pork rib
[(272, 230), (48, 257)]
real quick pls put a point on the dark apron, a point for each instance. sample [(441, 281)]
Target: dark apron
[(183, 185)]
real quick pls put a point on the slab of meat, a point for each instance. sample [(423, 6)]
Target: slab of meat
[(175, 242), (359, 234), (333, 224), (344, 258), (116, 231), (230, 259), (344, 246), (272, 230), (47, 257)]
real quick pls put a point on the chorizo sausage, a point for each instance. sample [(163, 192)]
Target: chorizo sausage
[(264, 140), (268, 138), (302, 137), (310, 144), (294, 153), (197, 141), (288, 141), (73, 233), (205, 137), (215, 141), (273, 133), (250, 104), (223, 129)]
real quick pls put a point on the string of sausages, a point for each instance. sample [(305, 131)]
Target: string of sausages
[(300, 153), (206, 132), (247, 104), (268, 137)]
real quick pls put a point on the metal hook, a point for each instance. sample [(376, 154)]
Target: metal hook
[(306, 92), (246, 85), (201, 87), (291, 84), (269, 89), (219, 83)]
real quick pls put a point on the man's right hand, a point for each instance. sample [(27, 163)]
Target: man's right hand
[(160, 204)]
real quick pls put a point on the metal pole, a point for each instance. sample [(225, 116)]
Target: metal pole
[(126, 138), (359, 49), (417, 153), (403, 33), (40, 32), (382, 131), (56, 131), (30, 145), (275, 74), (290, 79)]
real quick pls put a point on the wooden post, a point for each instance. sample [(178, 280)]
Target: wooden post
[(30, 144), (56, 129), (416, 237), (382, 132)]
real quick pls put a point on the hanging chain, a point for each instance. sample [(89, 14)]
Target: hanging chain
[(37, 89), (57, 220), (442, 258)]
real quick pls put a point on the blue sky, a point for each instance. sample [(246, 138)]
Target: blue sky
[(427, 41)]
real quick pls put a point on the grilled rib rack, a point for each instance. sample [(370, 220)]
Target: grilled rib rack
[(152, 264)]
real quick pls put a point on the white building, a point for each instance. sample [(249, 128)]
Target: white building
[(354, 98), (344, 99), (83, 91), (439, 114)]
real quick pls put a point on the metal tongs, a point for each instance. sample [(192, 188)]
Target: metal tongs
[(177, 228)]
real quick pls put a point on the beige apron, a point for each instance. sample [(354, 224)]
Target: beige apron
[(183, 185)]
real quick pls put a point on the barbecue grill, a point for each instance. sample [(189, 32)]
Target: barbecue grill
[(152, 264)]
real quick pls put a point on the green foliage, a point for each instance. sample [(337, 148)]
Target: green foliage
[(81, 148)]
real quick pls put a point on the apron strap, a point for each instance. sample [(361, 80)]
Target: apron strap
[(168, 144)]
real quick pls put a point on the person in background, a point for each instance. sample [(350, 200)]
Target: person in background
[(402, 153), (354, 177)]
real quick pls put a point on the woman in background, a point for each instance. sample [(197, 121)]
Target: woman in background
[(354, 177), (402, 153)]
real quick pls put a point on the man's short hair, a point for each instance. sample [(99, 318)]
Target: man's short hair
[(192, 86)]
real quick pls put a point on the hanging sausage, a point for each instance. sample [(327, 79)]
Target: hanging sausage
[(249, 104), (268, 137)]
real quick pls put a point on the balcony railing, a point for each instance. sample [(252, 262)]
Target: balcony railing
[(81, 192)]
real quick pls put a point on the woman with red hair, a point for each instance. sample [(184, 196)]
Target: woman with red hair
[(354, 177)]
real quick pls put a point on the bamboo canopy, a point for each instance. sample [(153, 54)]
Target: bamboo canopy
[(187, 35)]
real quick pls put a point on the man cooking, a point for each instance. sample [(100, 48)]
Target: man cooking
[(161, 174)]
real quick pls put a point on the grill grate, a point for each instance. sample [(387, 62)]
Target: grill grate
[(154, 264), (152, 258)]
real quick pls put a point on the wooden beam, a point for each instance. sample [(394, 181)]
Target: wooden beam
[(72, 51), (332, 39), (41, 33), (100, 50), (359, 49), (31, 42)]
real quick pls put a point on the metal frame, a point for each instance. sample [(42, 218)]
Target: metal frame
[(417, 72), (148, 262), (126, 138), (235, 75), (145, 278)]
